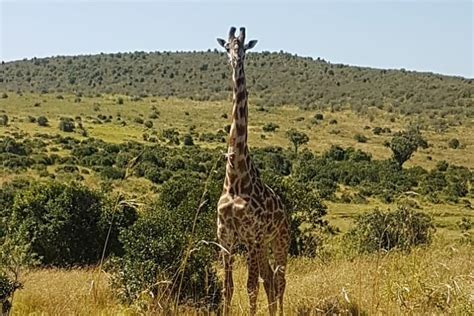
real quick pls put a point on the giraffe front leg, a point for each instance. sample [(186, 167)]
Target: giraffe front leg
[(228, 289), (252, 281)]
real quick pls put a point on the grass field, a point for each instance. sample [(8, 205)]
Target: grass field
[(207, 117), (438, 279), (430, 281)]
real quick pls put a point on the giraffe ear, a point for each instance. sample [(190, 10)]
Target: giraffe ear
[(251, 44), (222, 42)]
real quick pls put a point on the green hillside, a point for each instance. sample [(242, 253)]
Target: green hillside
[(274, 79)]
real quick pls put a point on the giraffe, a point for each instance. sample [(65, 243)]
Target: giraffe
[(249, 212)]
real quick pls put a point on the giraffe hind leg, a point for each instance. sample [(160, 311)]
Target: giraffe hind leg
[(266, 272), (280, 252)]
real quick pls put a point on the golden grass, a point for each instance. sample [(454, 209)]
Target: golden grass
[(65, 292), (435, 280)]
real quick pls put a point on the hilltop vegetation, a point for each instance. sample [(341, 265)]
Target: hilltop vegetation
[(273, 78)]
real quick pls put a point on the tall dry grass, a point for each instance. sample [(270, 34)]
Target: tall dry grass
[(435, 280)]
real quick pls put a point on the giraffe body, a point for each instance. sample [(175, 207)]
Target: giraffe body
[(249, 212)]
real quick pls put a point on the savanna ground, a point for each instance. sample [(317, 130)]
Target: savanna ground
[(437, 279)]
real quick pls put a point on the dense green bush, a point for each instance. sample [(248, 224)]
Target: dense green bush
[(401, 229), (306, 211), (156, 245), (65, 224)]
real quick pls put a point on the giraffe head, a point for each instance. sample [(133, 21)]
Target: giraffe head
[(236, 47)]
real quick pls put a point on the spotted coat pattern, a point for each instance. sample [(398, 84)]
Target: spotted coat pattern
[(249, 212)]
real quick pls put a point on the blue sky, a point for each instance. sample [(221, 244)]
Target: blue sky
[(422, 35)]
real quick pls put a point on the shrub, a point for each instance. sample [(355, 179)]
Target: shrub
[(148, 124), (42, 121), (7, 288), (138, 120), (3, 120), (333, 122), (172, 135), (270, 127), (401, 229), (4, 95), (66, 224), (305, 210), (66, 124), (360, 138), (120, 100), (155, 245), (112, 173), (154, 115), (318, 116), (453, 143), (188, 140), (377, 130)]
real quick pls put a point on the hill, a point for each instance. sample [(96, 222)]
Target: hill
[(274, 79)]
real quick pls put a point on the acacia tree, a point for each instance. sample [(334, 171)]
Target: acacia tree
[(404, 144), (297, 138)]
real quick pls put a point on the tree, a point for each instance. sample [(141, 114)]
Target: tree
[(297, 138), (404, 144)]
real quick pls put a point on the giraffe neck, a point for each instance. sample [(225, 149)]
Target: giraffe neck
[(238, 129), (239, 168)]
